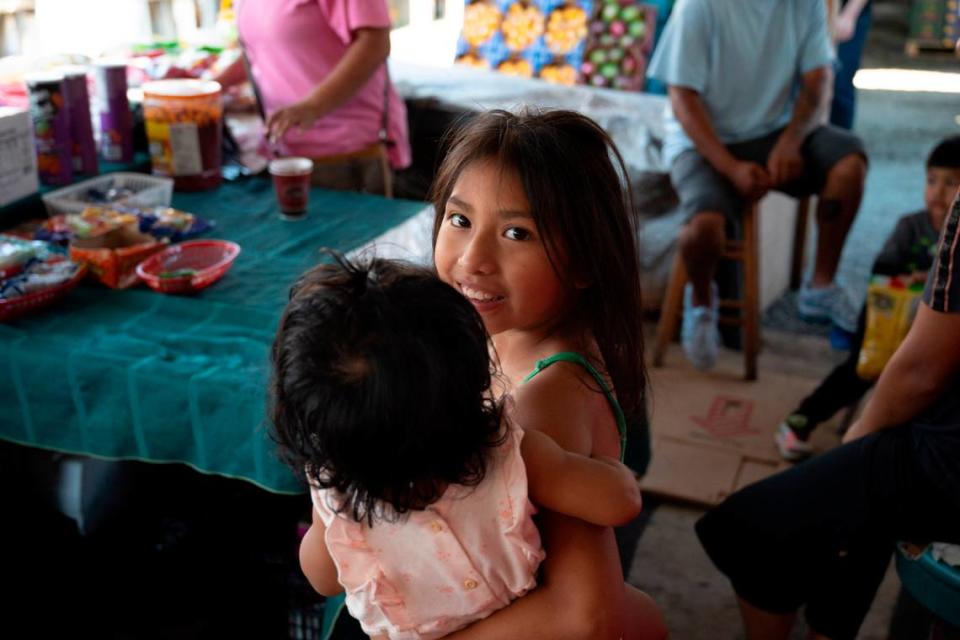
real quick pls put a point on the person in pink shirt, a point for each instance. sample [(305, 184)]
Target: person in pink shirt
[(319, 69)]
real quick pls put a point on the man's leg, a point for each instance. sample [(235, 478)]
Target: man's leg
[(710, 204), (701, 244), (836, 208), (835, 168)]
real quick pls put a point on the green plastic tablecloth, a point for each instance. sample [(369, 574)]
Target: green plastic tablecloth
[(139, 375)]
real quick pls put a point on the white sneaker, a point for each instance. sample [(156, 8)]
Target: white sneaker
[(827, 304), (699, 335)]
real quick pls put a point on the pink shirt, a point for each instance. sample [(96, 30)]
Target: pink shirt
[(294, 44), (437, 570)]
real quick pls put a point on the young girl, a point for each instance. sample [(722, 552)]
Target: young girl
[(381, 392), (533, 227)]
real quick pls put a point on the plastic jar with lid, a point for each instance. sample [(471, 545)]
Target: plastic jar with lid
[(183, 122)]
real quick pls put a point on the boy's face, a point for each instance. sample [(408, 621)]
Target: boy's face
[(942, 184)]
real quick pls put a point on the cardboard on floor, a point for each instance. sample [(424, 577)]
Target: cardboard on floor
[(713, 432)]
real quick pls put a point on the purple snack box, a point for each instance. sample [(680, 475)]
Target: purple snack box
[(51, 128), (84, 149), (116, 121)]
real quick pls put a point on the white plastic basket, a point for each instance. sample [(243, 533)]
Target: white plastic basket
[(149, 191)]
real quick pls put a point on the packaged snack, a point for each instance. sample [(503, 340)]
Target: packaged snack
[(16, 252), (112, 257), (891, 307), (51, 127)]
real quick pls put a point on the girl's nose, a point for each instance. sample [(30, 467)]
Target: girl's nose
[(478, 254)]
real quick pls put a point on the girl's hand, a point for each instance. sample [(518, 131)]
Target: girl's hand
[(300, 114)]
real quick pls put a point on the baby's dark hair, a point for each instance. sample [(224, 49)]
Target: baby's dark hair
[(380, 389), (946, 155), (575, 181)]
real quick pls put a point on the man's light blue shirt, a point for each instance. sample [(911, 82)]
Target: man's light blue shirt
[(745, 59)]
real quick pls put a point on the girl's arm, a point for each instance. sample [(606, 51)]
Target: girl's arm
[(315, 560), (599, 490), (580, 597)]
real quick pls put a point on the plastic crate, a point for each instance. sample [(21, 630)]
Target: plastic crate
[(933, 584), (149, 191)]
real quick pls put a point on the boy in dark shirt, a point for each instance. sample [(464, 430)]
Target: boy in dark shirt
[(908, 252)]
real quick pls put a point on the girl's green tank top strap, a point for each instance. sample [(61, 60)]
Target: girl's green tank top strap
[(571, 356)]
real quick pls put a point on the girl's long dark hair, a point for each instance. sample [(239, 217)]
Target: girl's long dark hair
[(575, 182), (380, 389)]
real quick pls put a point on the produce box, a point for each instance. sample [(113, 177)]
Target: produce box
[(934, 24), (528, 38), (603, 43), (619, 45), (18, 156)]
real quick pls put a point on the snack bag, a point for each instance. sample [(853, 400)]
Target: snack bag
[(891, 307), (112, 256)]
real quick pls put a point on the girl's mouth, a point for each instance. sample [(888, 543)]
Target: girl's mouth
[(481, 300)]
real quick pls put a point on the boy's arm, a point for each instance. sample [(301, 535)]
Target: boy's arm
[(599, 490), (315, 560), (895, 254)]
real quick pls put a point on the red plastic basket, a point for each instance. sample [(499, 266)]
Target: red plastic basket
[(16, 307), (207, 259)]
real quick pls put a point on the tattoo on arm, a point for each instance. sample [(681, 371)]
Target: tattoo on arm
[(829, 210)]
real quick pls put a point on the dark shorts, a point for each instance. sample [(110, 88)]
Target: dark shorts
[(701, 188), (821, 534)]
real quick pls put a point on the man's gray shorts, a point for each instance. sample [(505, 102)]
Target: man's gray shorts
[(701, 188)]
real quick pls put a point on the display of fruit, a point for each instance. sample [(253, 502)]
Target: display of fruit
[(521, 26), (471, 59), (618, 46), (564, 74), (480, 21), (516, 67), (566, 28)]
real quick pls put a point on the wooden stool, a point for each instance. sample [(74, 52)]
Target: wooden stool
[(799, 242), (746, 252)]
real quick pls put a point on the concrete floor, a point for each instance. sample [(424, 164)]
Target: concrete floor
[(899, 129)]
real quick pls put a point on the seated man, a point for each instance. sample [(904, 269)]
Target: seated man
[(749, 83)]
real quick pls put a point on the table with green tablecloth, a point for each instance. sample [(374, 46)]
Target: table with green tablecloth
[(139, 375)]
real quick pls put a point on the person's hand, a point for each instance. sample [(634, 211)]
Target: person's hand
[(300, 114), (844, 28), (750, 179), (785, 162)]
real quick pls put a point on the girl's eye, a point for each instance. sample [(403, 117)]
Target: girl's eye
[(458, 220), (518, 233)]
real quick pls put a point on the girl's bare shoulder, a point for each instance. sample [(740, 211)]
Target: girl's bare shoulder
[(557, 402)]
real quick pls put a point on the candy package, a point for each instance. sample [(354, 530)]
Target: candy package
[(113, 257), (16, 252), (891, 307)]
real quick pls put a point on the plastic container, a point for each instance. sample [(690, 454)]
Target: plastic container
[(51, 127), (184, 120), (151, 191), (200, 263), (17, 307), (113, 111), (932, 583), (83, 149)]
